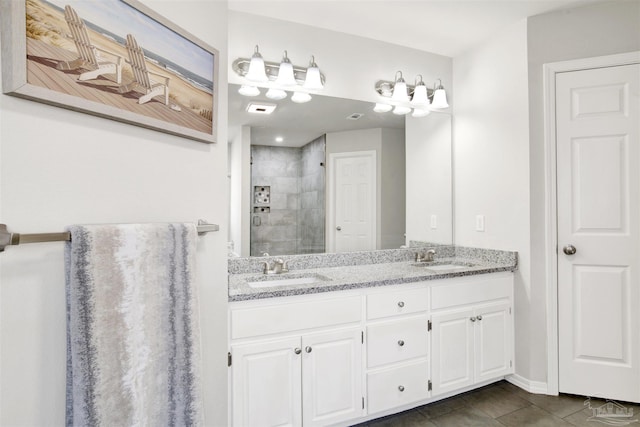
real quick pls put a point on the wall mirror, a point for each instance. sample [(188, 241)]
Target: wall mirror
[(331, 175)]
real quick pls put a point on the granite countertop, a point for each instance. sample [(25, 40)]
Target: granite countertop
[(335, 278)]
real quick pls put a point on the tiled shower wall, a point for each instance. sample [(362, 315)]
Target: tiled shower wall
[(295, 221)]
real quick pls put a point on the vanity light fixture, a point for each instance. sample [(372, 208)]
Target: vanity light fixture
[(300, 97), (247, 90), (402, 98), (382, 108), (280, 76), (256, 71), (439, 97), (276, 94), (285, 72)]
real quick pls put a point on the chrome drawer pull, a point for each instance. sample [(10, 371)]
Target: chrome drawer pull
[(479, 317), (297, 350), (401, 343), (308, 349), (401, 304), (401, 387), (473, 319)]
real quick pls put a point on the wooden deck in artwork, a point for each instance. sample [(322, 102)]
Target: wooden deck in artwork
[(42, 59)]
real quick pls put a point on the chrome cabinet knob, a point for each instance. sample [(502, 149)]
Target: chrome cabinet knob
[(338, 228), (308, 349), (479, 317), (569, 249), (401, 343), (401, 387), (473, 319), (297, 350), (401, 304)]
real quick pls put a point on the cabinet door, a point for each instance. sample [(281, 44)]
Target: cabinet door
[(493, 341), (266, 379), (332, 377), (452, 350)]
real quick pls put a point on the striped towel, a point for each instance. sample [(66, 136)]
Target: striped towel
[(133, 340)]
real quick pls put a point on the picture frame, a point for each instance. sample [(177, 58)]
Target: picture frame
[(116, 59)]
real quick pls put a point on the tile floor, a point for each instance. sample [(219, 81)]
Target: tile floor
[(500, 404)]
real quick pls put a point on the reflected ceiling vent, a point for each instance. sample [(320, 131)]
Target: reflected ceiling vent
[(260, 108), (354, 116)]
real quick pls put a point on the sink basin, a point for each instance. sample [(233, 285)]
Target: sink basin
[(270, 282)]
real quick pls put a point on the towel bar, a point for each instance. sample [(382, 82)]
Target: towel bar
[(12, 239)]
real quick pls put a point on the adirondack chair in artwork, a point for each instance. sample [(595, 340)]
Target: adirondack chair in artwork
[(142, 76), (89, 56)]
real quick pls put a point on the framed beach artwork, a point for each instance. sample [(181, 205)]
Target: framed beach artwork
[(111, 58)]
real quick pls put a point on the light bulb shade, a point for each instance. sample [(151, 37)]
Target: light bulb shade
[(401, 110), (382, 108), (420, 112), (313, 81), (439, 99), (276, 94), (300, 97), (285, 75), (257, 72), (400, 92), (247, 90), (420, 98)]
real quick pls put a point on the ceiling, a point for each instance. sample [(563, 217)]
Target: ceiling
[(445, 27), (298, 124)]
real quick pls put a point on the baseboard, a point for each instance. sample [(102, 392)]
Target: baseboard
[(535, 387)]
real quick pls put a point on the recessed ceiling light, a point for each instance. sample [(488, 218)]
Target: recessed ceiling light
[(354, 116), (260, 108), (279, 139)]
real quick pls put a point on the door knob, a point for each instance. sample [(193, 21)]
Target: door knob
[(569, 249), (338, 228)]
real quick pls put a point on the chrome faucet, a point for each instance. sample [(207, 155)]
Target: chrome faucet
[(426, 257), (279, 266)]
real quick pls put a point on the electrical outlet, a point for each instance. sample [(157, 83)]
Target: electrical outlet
[(479, 222), (434, 222)]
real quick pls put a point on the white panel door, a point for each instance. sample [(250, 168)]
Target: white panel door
[(452, 350), (493, 338), (332, 377), (266, 383), (352, 214), (598, 159)]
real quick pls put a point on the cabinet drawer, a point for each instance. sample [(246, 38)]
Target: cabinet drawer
[(294, 316), (471, 291), (396, 340), (384, 387), (394, 303)]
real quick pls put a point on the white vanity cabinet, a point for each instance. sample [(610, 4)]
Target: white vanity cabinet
[(345, 357), (472, 332), (300, 377)]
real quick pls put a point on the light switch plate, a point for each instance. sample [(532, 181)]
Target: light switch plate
[(479, 222)]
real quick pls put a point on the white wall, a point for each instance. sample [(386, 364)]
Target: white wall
[(595, 30), (240, 197), (60, 167), (491, 158), (352, 65), (392, 188), (429, 178)]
